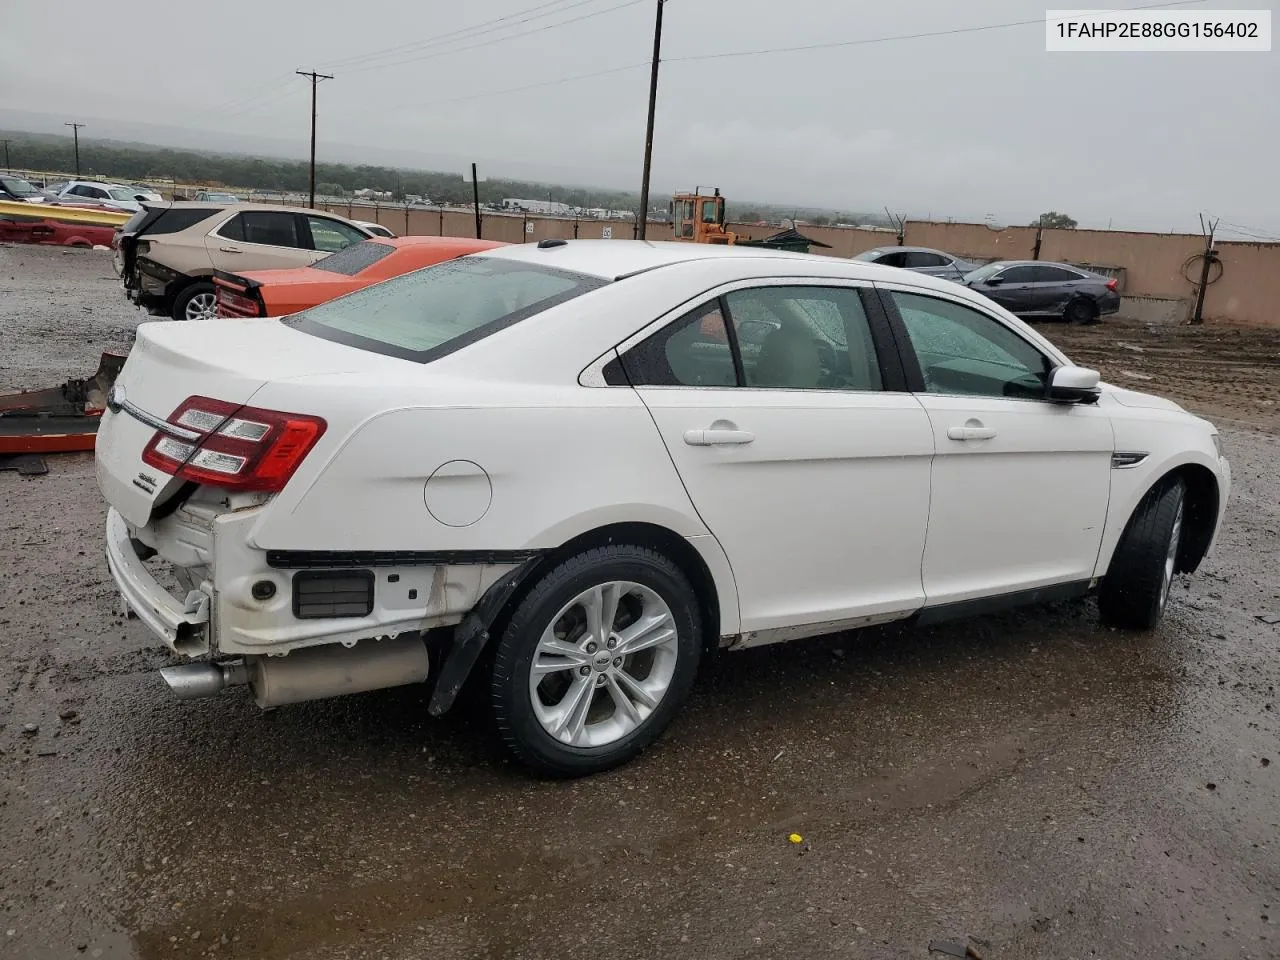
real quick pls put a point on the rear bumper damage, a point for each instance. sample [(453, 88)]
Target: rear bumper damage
[(237, 634)]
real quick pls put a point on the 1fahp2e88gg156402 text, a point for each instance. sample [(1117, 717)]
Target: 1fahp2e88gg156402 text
[(1120, 31)]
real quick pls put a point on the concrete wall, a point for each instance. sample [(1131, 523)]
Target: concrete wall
[(1153, 267)]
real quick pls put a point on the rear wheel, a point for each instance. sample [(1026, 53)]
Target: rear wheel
[(596, 660), (1080, 312), (196, 302), (1135, 591)]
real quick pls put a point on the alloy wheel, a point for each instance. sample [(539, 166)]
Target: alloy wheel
[(603, 664)]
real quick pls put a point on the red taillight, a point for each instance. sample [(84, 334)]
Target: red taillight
[(234, 305), (1113, 284), (239, 448)]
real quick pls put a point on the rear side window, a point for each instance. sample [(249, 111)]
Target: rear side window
[(1056, 275), (355, 258), (922, 258), (433, 312), (267, 227), (172, 220)]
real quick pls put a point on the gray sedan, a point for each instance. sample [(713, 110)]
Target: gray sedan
[(1034, 288), (936, 263)]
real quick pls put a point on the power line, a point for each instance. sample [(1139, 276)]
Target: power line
[(478, 29), (515, 36), (535, 86), (761, 52), (830, 45)]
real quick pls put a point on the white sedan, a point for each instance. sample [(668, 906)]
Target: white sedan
[(578, 466)]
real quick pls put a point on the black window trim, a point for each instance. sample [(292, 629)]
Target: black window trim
[(907, 352), (893, 372)]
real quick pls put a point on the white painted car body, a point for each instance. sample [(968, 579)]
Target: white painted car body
[(845, 507)]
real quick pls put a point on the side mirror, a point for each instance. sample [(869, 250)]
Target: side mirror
[(1073, 385), (993, 281)]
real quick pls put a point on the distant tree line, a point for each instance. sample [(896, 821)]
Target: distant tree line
[(142, 162)]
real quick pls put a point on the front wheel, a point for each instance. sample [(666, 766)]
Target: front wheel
[(1135, 591), (596, 660)]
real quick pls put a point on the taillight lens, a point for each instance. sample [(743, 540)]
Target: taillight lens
[(234, 305), (240, 448), (1113, 284)]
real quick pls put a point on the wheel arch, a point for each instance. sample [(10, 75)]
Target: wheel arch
[(704, 564), (1200, 518)]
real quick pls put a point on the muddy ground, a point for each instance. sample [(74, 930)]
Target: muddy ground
[(1033, 783)]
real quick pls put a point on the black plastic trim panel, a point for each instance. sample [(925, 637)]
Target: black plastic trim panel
[(333, 559)]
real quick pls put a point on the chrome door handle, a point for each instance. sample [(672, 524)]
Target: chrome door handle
[(977, 432), (229, 249), (716, 437)]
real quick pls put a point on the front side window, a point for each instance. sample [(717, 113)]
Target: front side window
[(1020, 275), (442, 308), (331, 236), (963, 351)]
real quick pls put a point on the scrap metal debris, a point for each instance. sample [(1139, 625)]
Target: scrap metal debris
[(27, 464), (953, 948), (58, 419)]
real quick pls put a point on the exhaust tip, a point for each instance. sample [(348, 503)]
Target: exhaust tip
[(192, 681)]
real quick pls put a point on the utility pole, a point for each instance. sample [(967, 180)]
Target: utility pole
[(475, 198), (315, 80), (648, 132), (1207, 260), (75, 132), (1035, 251), (6, 153)]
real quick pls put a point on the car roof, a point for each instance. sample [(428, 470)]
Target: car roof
[(224, 207), (612, 259), (464, 244), (1036, 263)]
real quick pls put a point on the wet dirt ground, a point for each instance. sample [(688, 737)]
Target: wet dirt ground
[(1031, 784)]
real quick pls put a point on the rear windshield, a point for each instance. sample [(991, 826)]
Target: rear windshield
[(18, 187), (353, 259), (434, 311), (167, 220)]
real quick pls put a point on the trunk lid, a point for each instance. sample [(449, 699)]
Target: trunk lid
[(171, 361)]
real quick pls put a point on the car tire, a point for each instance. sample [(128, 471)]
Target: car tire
[(195, 301), (1080, 312), (1135, 591), (560, 684)]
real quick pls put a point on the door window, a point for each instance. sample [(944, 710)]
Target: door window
[(1020, 275), (233, 229), (690, 352), (332, 236), (921, 258), (804, 338), (788, 338), (896, 259), (963, 351), (268, 227), (1056, 275)]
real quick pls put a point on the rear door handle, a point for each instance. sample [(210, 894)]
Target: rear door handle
[(716, 437), (229, 249), (973, 430)]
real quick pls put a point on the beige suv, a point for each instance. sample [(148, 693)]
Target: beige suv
[(167, 254)]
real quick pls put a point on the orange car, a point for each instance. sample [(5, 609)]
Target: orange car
[(277, 293)]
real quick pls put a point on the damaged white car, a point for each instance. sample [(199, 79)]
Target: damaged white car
[(578, 466)]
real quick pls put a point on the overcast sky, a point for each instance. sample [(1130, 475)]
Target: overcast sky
[(966, 125)]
